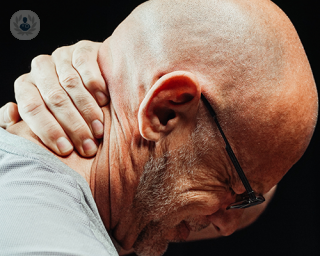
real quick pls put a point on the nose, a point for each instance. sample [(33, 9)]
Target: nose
[(226, 221)]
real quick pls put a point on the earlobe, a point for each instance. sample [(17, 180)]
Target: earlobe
[(172, 102)]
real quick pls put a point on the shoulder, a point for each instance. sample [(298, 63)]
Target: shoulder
[(44, 207)]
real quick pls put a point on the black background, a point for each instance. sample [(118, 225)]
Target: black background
[(290, 226)]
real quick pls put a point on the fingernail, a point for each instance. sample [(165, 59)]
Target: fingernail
[(64, 145), (89, 147), (6, 117), (97, 127), (101, 98)]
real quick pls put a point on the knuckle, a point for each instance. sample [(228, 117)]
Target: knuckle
[(56, 99), (78, 129), (20, 79), (85, 105), (91, 81), (46, 82), (59, 51), (88, 108), (70, 81), (19, 86), (84, 46), (37, 62), (80, 60), (82, 43), (89, 76), (52, 131), (31, 108)]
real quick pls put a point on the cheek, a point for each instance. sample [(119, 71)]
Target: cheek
[(205, 203)]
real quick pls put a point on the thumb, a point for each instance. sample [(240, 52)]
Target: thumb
[(9, 115)]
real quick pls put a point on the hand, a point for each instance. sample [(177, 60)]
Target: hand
[(9, 115), (58, 98)]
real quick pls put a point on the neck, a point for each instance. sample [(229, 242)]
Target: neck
[(100, 173), (126, 162), (115, 174)]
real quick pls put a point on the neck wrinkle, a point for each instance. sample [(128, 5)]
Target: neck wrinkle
[(126, 163), (100, 174)]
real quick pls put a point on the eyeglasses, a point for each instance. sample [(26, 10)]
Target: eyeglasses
[(250, 198)]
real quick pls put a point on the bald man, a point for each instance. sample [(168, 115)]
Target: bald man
[(175, 71)]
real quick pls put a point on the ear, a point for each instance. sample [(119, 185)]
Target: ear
[(172, 103)]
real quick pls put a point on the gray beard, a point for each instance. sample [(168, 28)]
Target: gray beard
[(157, 192)]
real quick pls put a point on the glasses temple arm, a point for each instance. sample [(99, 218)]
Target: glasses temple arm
[(236, 163), (230, 152)]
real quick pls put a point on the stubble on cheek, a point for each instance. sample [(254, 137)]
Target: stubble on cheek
[(157, 197)]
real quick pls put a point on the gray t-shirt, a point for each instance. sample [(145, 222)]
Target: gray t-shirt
[(46, 208)]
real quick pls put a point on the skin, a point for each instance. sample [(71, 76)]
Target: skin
[(162, 162)]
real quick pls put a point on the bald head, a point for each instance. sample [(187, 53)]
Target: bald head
[(248, 60)]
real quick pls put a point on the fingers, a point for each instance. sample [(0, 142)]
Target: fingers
[(9, 115), (70, 80), (84, 60), (60, 119), (39, 118), (66, 91), (62, 107)]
